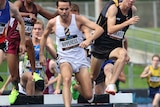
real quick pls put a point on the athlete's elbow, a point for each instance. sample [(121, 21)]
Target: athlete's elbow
[(101, 29), (111, 31), (142, 77)]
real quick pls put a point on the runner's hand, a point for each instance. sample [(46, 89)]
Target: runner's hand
[(32, 17), (42, 60), (57, 91), (85, 43), (133, 20), (22, 48)]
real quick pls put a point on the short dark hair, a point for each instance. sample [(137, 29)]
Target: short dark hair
[(63, 1), (156, 55)]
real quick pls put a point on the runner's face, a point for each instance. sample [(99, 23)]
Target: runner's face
[(129, 3), (37, 31), (155, 61), (63, 9)]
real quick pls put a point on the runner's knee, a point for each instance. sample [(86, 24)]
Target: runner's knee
[(66, 81), (123, 55), (88, 95)]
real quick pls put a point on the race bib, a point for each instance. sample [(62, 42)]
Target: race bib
[(154, 79), (28, 28), (37, 65), (118, 35), (2, 28), (28, 25), (69, 42)]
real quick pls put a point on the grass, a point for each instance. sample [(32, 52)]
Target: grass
[(134, 77), (3, 72), (3, 67)]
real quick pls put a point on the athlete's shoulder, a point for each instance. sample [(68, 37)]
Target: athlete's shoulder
[(18, 3), (13, 9), (51, 23), (112, 9), (80, 17), (52, 20), (113, 6), (149, 67)]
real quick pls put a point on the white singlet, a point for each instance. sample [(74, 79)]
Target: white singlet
[(68, 46)]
